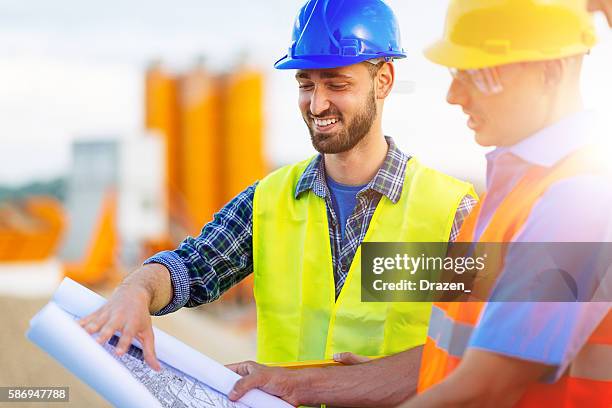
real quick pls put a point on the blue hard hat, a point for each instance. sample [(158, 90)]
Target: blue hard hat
[(336, 33)]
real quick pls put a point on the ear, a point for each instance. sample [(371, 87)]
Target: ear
[(553, 72), (384, 80)]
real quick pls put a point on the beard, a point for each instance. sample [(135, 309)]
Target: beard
[(351, 133)]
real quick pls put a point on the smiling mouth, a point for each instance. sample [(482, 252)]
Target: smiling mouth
[(472, 122), (324, 125)]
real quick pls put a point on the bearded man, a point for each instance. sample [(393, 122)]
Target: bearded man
[(300, 229)]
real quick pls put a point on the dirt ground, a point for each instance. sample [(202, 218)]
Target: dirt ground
[(225, 334)]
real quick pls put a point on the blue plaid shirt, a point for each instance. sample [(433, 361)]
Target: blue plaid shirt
[(203, 268)]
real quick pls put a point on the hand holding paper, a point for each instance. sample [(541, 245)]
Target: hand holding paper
[(187, 377)]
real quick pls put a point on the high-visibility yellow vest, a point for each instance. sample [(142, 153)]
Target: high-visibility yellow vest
[(298, 316)]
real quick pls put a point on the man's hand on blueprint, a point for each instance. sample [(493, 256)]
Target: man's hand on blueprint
[(127, 312), (281, 382), (358, 382)]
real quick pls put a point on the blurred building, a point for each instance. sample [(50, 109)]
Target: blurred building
[(91, 240)]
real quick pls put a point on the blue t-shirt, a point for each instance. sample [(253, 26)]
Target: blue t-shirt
[(344, 199)]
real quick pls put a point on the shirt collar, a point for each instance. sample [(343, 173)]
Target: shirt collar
[(551, 144), (388, 181)]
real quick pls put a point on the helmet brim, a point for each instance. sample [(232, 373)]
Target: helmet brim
[(327, 62), (451, 55)]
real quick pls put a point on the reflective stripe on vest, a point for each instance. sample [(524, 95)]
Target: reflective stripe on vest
[(298, 317), (588, 381)]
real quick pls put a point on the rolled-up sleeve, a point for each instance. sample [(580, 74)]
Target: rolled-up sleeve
[(464, 209), (203, 268)]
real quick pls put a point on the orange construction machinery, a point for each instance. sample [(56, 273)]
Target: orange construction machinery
[(99, 264), (212, 128), (30, 230), (162, 115), (201, 143), (242, 127)]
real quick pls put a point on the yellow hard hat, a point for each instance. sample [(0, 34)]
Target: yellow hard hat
[(487, 33)]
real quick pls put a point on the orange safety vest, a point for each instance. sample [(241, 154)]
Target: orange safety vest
[(588, 380)]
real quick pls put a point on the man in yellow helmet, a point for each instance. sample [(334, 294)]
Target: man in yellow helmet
[(516, 70)]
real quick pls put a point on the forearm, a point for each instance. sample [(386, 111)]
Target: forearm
[(384, 382), (154, 280), (446, 395), (482, 379), (465, 393)]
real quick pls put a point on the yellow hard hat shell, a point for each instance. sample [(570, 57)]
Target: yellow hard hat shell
[(487, 33)]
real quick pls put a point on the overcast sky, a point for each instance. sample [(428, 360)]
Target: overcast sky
[(73, 69)]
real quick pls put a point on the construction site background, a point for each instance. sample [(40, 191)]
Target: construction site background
[(125, 200), (205, 128)]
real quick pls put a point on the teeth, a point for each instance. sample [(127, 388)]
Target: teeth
[(325, 122)]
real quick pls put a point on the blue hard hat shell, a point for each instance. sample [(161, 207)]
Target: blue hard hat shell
[(336, 33)]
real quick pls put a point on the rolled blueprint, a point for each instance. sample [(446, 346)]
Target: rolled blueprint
[(188, 378)]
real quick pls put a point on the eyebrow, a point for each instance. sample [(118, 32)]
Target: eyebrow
[(324, 75)]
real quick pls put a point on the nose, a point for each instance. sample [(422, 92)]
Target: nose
[(319, 101), (457, 93)]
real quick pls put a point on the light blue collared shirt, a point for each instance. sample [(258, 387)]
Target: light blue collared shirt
[(507, 165), (577, 209)]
